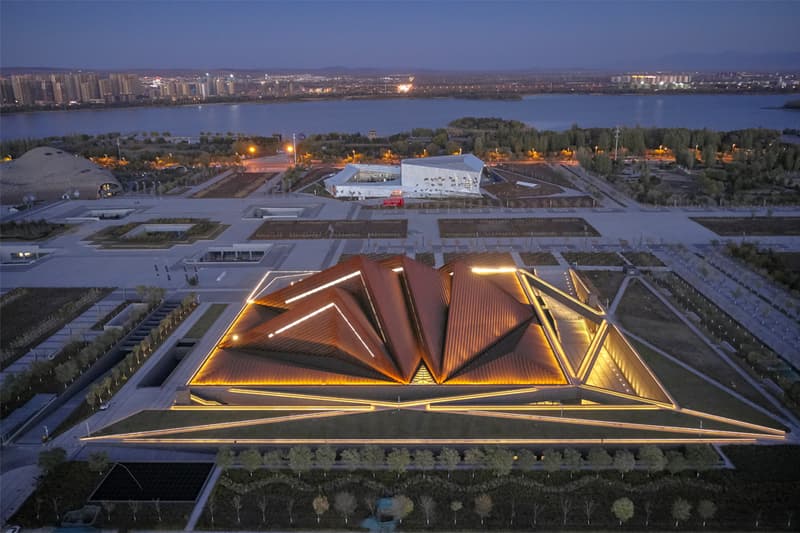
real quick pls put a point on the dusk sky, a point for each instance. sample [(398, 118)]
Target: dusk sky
[(453, 35)]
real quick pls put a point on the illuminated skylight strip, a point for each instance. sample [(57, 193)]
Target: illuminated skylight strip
[(323, 286)]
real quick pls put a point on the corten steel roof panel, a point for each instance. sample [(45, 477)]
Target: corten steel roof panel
[(531, 361), (232, 368), (426, 292), (278, 298), (324, 324), (480, 314), (386, 296), (509, 282)]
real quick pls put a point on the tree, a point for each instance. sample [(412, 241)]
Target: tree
[(345, 504), (212, 506), (709, 155), (134, 506), (701, 457), (588, 509), (424, 460), (273, 459), (681, 511), (325, 457), (572, 460), (401, 507), (499, 460), (474, 457), (236, 502), (483, 506), (300, 459), (676, 462), (551, 461), (373, 457), (262, 506), (526, 460), (428, 506), (351, 457), (250, 460), (98, 461), (566, 506), (622, 509), (398, 460), (706, 509), (320, 505), (624, 461), (50, 459), (455, 507), (652, 458), (449, 459), (599, 459), (224, 458)]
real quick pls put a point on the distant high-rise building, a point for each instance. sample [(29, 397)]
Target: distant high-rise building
[(22, 90)]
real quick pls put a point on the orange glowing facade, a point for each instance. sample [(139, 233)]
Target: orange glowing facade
[(400, 322)]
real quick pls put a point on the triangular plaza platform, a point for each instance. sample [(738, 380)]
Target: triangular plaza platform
[(397, 352)]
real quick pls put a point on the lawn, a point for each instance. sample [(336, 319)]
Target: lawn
[(644, 315), (148, 420), (538, 258), (331, 229), (515, 227), (736, 226), (604, 283), (402, 424), (593, 258), (693, 392), (206, 321), (643, 259)]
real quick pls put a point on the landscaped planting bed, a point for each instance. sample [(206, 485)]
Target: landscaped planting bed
[(35, 230), (515, 227), (484, 259), (593, 258), (736, 226), (186, 231), (237, 185), (331, 229), (643, 259), (538, 258), (28, 316), (604, 283)]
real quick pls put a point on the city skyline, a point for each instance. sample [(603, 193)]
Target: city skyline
[(400, 35)]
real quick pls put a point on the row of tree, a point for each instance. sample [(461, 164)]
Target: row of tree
[(102, 390), (500, 461)]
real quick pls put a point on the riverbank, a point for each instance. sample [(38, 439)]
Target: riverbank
[(455, 95)]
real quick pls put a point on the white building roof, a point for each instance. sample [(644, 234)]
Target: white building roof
[(466, 162)]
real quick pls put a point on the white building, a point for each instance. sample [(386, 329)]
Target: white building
[(452, 175)]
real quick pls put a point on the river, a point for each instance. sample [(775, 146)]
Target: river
[(544, 112)]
